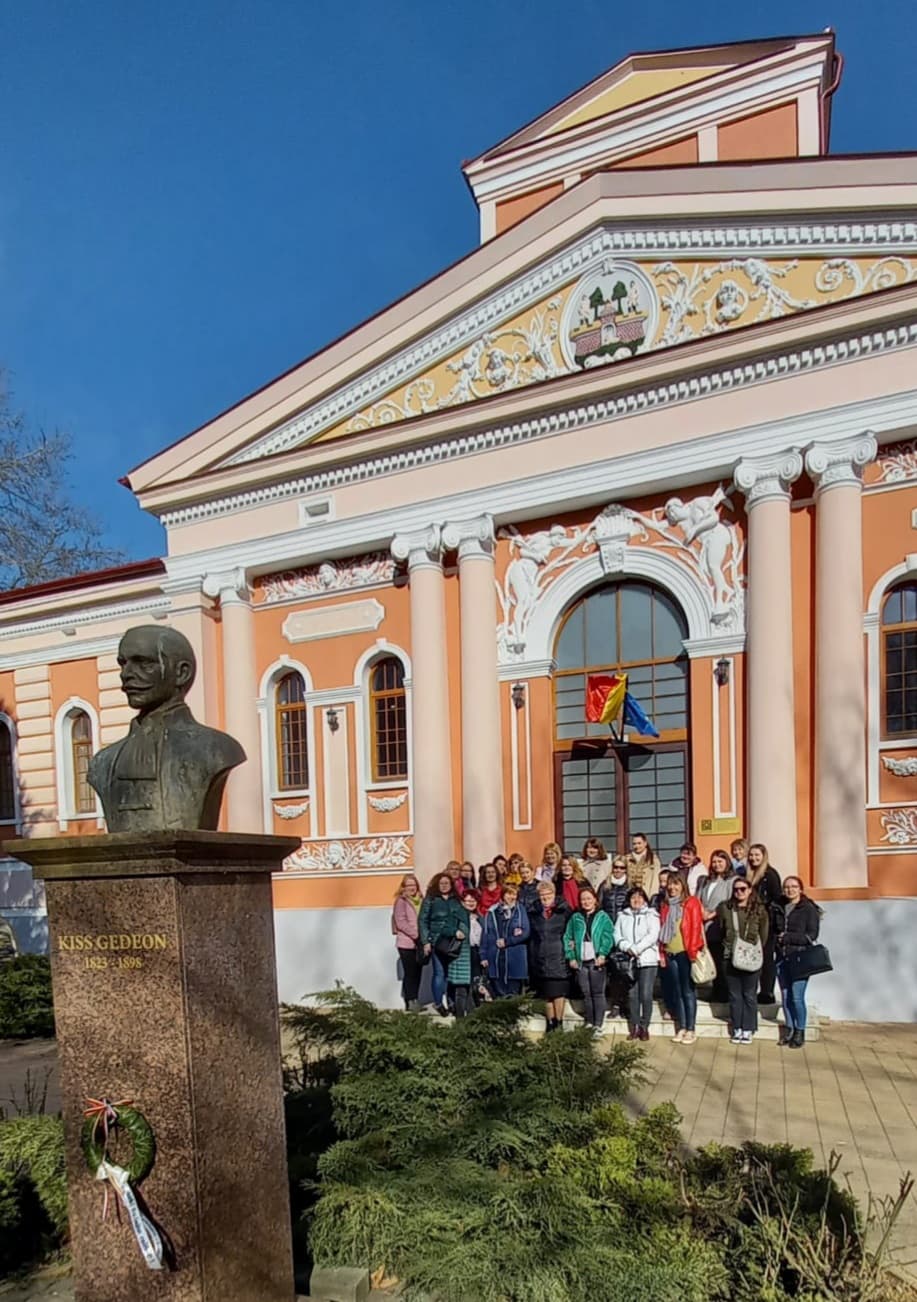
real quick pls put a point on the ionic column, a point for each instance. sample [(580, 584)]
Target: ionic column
[(770, 742), (836, 470), (482, 755), (240, 690), (431, 761)]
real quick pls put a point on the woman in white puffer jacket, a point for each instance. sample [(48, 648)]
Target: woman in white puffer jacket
[(637, 934)]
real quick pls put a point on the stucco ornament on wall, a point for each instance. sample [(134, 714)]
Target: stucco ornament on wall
[(611, 313), (902, 768), (330, 576), (692, 311), (494, 362), (292, 811), (692, 531), (387, 804), (341, 856), (900, 826), (898, 463)]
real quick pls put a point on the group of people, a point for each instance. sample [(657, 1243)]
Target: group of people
[(607, 928)]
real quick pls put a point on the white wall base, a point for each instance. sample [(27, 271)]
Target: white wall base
[(875, 961), (317, 947), (871, 945)]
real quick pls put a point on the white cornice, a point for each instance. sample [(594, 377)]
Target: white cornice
[(85, 615), (52, 655), (693, 462), (552, 154), (875, 234), (703, 384)]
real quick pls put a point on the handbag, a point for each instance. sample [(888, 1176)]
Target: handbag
[(811, 961), (703, 969), (624, 966), (747, 955), (448, 948), (423, 957)]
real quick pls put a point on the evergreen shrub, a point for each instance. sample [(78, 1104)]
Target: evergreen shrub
[(33, 1190), (475, 1163), (26, 1008)]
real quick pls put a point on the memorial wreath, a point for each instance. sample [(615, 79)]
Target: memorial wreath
[(103, 1122)]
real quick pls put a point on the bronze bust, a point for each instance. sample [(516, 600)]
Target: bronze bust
[(169, 771)]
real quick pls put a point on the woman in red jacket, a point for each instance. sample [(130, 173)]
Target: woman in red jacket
[(681, 938)]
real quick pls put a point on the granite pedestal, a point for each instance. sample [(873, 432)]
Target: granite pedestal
[(162, 960)]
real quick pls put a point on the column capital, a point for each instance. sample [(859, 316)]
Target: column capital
[(473, 539), (421, 548), (231, 586), (768, 478), (831, 465)]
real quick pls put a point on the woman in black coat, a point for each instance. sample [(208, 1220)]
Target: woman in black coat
[(548, 921), (766, 881), (798, 919)]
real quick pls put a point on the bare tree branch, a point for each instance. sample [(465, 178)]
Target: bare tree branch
[(44, 534)]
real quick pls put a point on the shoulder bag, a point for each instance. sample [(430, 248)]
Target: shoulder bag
[(747, 955), (624, 966), (448, 948), (703, 969), (808, 962)]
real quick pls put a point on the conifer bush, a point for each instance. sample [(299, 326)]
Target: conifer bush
[(26, 1008), (475, 1163), (33, 1189)]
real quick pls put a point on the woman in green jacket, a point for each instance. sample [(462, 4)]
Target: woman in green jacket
[(442, 917), (588, 940)]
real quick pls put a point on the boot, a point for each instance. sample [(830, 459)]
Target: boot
[(797, 1040), (784, 1037)]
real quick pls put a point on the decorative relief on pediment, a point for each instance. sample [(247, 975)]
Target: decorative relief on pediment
[(692, 532), (611, 314), (330, 576), (618, 308), (506, 358), (521, 334)]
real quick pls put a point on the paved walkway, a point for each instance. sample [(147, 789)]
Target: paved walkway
[(853, 1092)]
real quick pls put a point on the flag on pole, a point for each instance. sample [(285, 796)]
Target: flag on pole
[(635, 717), (604, 697)]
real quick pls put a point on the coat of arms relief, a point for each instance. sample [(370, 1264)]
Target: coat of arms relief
[(692, 531)]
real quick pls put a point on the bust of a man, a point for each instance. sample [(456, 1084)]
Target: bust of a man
[(169, 771)]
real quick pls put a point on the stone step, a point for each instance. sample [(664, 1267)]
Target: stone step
[(712, 1022)]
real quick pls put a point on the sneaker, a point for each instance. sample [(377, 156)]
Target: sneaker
[(746, 1037), (689, 1037), (679, 1037), (736, 1037)]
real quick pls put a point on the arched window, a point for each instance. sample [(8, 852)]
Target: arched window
[(605, 786), (899, 660), (7, 772), (290, 732), (82, 796), (388, 721)]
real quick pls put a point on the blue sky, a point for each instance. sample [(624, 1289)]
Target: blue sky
[(193, 197)]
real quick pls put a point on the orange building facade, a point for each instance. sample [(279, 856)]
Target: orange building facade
[(663, 420)]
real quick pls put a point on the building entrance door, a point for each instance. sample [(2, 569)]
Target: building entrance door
[(612, 790)]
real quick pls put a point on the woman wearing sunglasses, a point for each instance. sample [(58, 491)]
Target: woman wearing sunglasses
[(745, 924)]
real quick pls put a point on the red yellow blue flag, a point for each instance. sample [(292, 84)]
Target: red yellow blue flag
[(604, 697)]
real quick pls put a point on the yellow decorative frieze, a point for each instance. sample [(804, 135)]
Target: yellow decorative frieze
[(619, 308)]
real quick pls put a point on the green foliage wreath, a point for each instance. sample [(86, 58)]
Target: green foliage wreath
[(135, 1125)]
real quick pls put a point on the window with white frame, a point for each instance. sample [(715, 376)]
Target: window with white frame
[(388, 722), (76, 739), (8, 801), (899, 660), (291, 738)]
